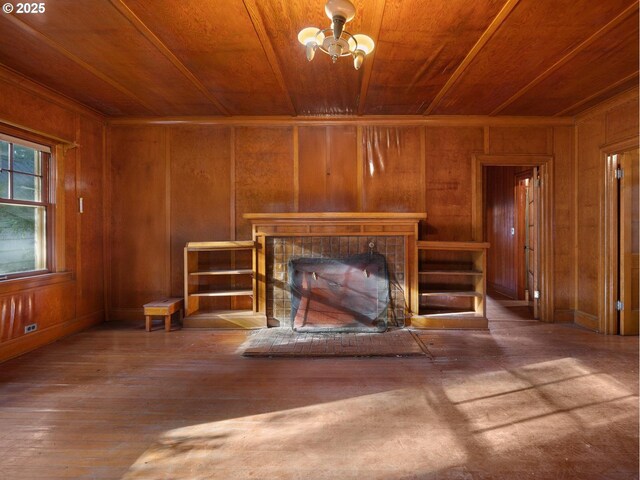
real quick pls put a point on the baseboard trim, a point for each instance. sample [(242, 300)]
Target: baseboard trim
[(27, 343), (564, 316), (128, 315), (586, 320)]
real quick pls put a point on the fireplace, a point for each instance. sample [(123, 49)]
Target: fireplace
[(335, 239), (348, 294)]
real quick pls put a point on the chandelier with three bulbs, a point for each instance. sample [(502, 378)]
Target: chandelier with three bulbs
[(334, 40)]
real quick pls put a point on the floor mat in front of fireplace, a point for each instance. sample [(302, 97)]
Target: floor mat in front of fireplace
[(283, 342)]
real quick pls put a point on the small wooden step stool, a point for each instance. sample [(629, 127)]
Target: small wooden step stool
[(164, 308)]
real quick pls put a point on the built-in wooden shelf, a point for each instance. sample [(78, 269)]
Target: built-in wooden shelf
[(220, 285), (450, 293), (245, 271), (452, 287), (223, 293), (450, 272)]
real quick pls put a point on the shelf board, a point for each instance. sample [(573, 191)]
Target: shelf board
[(450, 293), (223, 293), (242, 271), (447, 312), (450, 272), (206, 318)]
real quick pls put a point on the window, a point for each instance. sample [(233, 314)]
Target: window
[(25, 208)]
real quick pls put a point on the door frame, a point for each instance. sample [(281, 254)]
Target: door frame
[(608, 284), (545, 165)]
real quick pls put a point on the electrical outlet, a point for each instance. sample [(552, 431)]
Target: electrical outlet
[(30, 328)]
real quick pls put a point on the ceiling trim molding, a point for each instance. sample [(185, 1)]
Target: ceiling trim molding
[(627, 96), (380, 120), (139, 25), (566, 58), (604, 91), (258, 26), (18, 80), (375, 26), (59, 48), (479, 45)]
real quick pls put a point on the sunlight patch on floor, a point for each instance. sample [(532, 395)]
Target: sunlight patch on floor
[(541, 401), (353, 434)]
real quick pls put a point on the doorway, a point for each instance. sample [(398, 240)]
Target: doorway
[(511, 225), (542, 291)]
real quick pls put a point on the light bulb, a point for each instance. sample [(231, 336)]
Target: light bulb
[(358, 58), (311, 50)]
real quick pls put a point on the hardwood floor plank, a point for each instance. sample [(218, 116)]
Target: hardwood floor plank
[(524, 399)]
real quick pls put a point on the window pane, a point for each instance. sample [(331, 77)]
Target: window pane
[(22, 238), (4, 155), (26, 187), (26, 160), (4, 184)]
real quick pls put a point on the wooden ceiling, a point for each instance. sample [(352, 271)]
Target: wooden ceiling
[(235, 57)]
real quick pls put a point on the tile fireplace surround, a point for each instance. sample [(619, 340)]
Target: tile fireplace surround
[(282, 236)]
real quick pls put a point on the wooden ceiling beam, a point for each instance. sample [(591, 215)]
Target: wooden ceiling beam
[(607, 28), (267, 46), (602, 92), (94, 71), (375, 27), (139, 25), (482, 41)]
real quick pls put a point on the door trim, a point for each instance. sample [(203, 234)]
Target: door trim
[(608, 283), (545, 163)]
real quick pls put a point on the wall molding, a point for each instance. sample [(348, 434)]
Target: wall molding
[(586, 320), (603, 107), (24, 83), (40, 338), (381, 120)]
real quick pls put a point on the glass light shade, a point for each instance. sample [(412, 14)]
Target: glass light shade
[(365, 43), (307, 35), (352, 44), (343, 8)]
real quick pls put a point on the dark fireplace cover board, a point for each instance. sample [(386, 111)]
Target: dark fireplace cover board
[(339, 295)]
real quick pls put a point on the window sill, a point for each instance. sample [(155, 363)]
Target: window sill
[(23, 283)]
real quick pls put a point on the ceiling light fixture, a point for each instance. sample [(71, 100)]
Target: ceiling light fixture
[(335, 41)]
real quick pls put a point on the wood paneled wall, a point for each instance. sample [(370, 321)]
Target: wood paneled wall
[(174, 183), (72, 298), (596, 131)]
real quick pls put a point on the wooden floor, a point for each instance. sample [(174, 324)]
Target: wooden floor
[(523, 401)]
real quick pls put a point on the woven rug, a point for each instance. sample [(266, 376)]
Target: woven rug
[(283, 342)]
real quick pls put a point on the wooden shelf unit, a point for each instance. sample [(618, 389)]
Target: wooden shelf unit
[(451, 285), (220, 285)]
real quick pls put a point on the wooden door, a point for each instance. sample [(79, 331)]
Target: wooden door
[(522, 188), (533, 251), (629, 271)]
